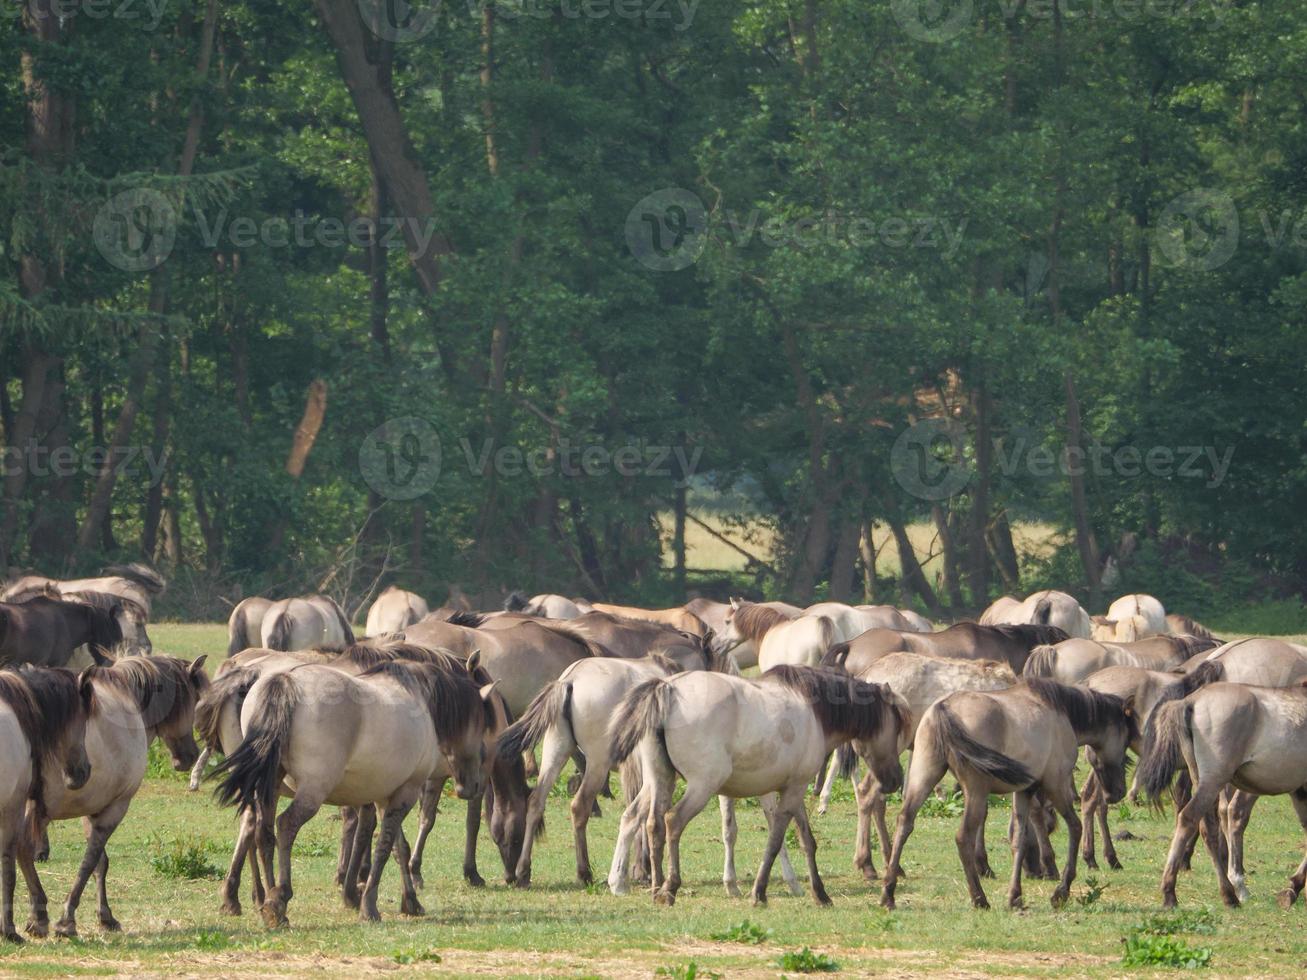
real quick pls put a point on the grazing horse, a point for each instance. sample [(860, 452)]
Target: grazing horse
[(1071, 661), (313, 622), (571, 715), (1047, 608), (547, 605), (245, 624), (734, 737), (1009, 644), (779, 639), (47, 631), (1021, 740), (677, 617), (132, 581), (43, 719), (1254, 738), (1136, 616), (351, 741), (919, 682), (715, 614), (137, 700), (394, 611)]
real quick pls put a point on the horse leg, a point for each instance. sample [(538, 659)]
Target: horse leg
[(38, 923), (1199, 809), (868, 794), (300, 811), (1040, 823), (554, 753), (729, 831), (427, 810), (349, 821), (768, 804), (777, 825), (1239, 813), (1063, 801), (810, 849), (828, 785), (8, 878), (983, 869), (661, 779), (1290, 895), (697, 795), (472, 830), (98, 830), (926, 770), (392, 817), (583, 806), (1182, 791), (107, 922), (364, 826), (197, 771), (1109, 847), (408, 904), (626, 833), (1088, 811)]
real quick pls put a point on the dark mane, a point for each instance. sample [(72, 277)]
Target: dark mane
[(1031, 634), (1207, 672), (469, 619), (452, 697), (235, 682), (160, 686), (752, 620), (46, 701), (1191, 646), (106, 602), (1086, 710), (517, 601), (666, 664), (843, 704), (366, 655), (144, 576)]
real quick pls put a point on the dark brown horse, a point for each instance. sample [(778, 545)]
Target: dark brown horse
[(45, 630), (1010, 645)]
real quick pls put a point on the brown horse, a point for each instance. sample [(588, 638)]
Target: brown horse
[(46, 631), (1010, 645), (1071, 661), (677, 617)]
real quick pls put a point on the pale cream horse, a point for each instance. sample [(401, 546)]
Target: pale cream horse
[(779, 639), (1131, 617), (394, 610)]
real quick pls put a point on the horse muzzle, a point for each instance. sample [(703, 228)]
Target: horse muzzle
[(75, 777)]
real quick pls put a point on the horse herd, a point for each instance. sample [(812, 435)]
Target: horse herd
[(302, 708)]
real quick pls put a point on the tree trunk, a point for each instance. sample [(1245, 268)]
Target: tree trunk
[(846, 556), (302, 440), (152, 514), (867, 550), (678, 540), (977, 552), (1085, 542), (1005, 552), (913, 575), (952, 582)]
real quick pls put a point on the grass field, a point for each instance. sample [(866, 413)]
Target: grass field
[(172, 924)]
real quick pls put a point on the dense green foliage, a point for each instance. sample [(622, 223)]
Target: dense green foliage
[(1015, 214)]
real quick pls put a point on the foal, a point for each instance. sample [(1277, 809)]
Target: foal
[(1022, 740), (741, 738)]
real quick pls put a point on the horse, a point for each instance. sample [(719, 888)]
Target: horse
[(919, 682), (571, 715), (350, 741), (133, 581), (43, 719), (547, 605), (46, 631), (1181, 625), (1137, 616), (621, 636), (394, 611), (852, 620), (779, 639), (916, 621), (734, 737), (1021, 740), (1071, 661), (998, 611), (715, 613), (1254, 738), (1047, 608), (245, 624), (307, 622), (677, 617), (1009, 644), (137, 699)]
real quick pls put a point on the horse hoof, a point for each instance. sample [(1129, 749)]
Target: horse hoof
[(1090, 863), (274, 917), (584, 878), (371, 915), (40, 928), (1231, 901), (111, 924), (1114, 864), (413, 907), (474, 880), (1059, 898), (664, 897), (887, 903), (982, 903), (823, 900), (759, 901), (418, 881), (1168, 902), (43, 855), (523, 881), (821, 810), (11, 935), (351, 899), (1286, 898)]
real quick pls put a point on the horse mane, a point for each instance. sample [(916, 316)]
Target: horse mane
[(160, 686), (1031, 634), (1086, 710), (46, 701), (233, 682), (753, 620), (844, 704), (1191, 646), (452, 697), (471, 620), (517, 601), (144, 576), (576, 633), (45, 590), (367, 655), (1207, 672), (105, 602), (666, 664)]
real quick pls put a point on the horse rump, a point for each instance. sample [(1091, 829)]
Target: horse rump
[(1164, 748), (252, 774), (547, 709), (962, 747), (641, 713)]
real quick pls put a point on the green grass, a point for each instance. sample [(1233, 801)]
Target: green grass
[(172, 923)]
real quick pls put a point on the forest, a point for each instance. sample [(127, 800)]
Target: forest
[(487, 295)]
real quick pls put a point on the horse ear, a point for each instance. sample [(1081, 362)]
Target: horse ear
[(85, 688), (488, 690), (197, 665), (1129, 707), (735, 603), (473, 660)]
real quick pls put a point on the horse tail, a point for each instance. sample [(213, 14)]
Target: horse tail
[(281, 632), (236, 626), (550, 707), (642, 712), (1043, 612), (252, 774), (1166, 742), (516, 601), (1042, 661), (346, 630), (144, 576), (230, 687), (962, 747), (1207, 672), (836, 656)]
